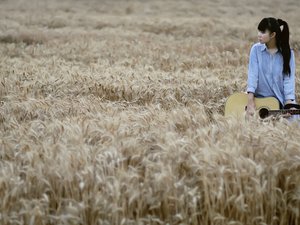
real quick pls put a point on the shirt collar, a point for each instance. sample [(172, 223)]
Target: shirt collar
[(263, 47)]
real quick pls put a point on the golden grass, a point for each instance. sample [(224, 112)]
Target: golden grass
[(112, 113)]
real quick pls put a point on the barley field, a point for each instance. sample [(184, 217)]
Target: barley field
[(111, 112)]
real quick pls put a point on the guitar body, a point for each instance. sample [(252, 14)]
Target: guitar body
[(237, 102)]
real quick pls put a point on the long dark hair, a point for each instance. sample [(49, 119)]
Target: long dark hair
[(282, 38)]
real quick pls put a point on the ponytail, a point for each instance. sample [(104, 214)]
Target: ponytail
[(284, 46)]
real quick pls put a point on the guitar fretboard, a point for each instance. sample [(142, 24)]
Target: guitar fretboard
[(284, 111), (263, 112)]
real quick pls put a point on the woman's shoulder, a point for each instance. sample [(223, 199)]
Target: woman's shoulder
[(259, 46)]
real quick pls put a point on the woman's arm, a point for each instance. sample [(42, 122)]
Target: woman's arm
[(252, 71), (252, 80), (289, 82)]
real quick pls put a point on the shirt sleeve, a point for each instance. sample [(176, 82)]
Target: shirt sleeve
[(252, 71), (289, 81)]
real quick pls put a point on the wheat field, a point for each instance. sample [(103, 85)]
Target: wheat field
[(111, 112)]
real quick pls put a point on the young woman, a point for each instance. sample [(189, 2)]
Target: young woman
[(271, 69)]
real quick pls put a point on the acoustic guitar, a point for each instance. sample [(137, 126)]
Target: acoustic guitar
[(268, 106)]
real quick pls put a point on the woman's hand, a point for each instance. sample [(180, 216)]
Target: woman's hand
[(251, 107), (287, 115)]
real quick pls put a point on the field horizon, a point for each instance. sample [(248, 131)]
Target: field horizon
[(112, 112)]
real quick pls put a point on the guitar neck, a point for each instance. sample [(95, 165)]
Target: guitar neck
[(284, 111)]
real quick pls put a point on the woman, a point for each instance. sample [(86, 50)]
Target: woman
[(271, 65)]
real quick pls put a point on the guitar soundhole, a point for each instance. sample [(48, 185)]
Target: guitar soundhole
[(263, 113)]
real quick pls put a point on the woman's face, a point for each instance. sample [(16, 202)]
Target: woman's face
[(264, 36)]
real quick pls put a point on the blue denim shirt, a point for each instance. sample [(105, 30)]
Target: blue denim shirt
[(265, 76)]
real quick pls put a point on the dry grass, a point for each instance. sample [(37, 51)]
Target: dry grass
[(112, 113)]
